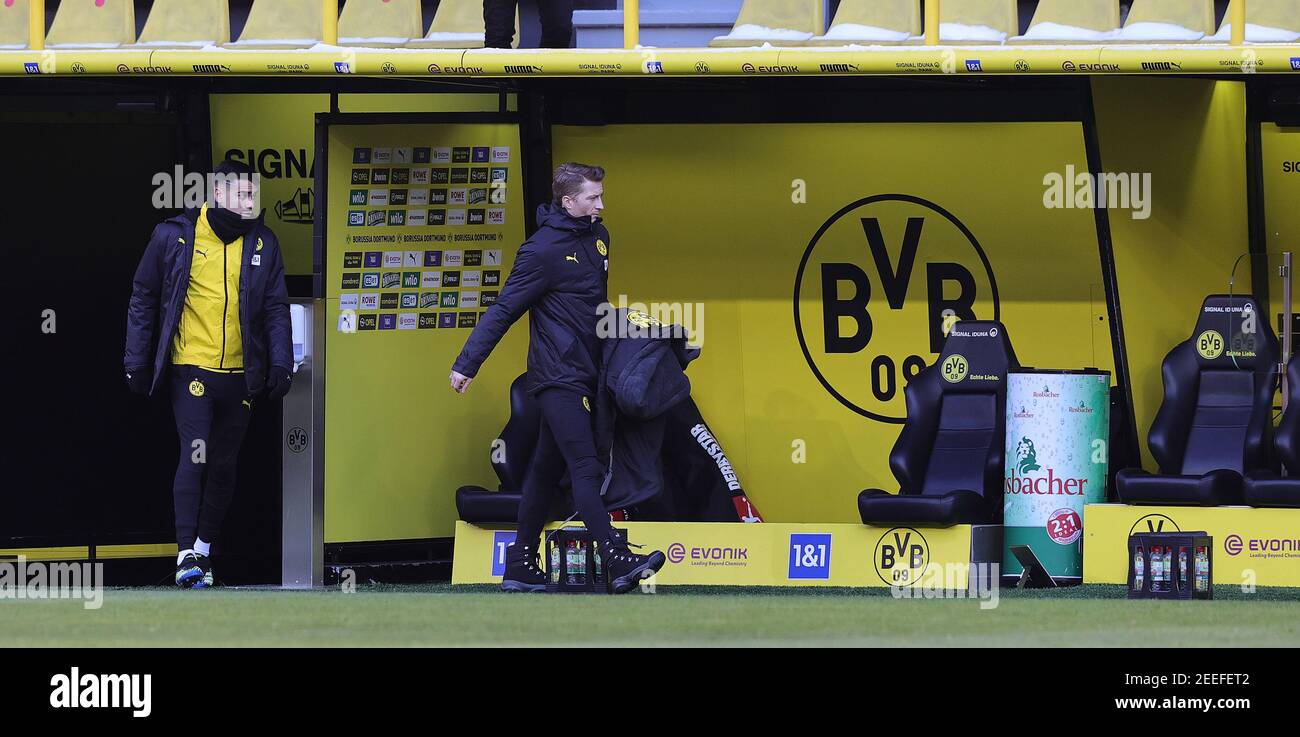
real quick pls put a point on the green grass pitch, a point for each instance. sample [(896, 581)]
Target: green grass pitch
[(443, 615)]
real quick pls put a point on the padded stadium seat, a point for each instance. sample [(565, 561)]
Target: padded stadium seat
[(949, 457), (511, 457), (1167, 21), (868, 22), (1213, 423), (92, 24), (13, 25), (458, 24), (380, 23), (1267, 21), (778, 22), (1071, 21), (282, 24), (179, 24), (976, 22), (1267, 489)]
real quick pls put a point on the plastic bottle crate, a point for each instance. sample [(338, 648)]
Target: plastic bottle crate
[(1170, 565), (573, 564)]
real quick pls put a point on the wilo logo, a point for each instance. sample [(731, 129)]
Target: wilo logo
[(178, 189), (656, 320), (77, 690), (849, 331), (20, 579), (1087, 191)]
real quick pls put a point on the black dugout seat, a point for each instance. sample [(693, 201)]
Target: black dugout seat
[(1213, 423), (948, 459), (511, 456), (1267, 489)]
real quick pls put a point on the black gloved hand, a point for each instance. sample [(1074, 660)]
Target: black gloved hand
[(139, 379), (278, 382)]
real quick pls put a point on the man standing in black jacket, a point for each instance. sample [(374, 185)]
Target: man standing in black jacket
[(209, 304), (560, 277)]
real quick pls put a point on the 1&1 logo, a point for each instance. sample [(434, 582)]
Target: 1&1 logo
[(500, 541), (873, 290), (901, 556)]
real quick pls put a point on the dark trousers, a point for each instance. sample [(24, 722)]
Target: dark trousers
[(566, 440), (212, 411), (557, 23)]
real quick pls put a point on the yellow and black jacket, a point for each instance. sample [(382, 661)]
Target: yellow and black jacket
[(252, 307)]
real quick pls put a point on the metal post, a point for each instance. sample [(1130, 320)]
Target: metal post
[(1237, 12), (329, 21), (931, 22), (303, 466), (631, 23), (1286, 322), (36, 25)]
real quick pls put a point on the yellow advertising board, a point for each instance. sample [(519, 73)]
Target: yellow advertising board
[(818, 263), (423, 224), (729, 554), (1252, 547)]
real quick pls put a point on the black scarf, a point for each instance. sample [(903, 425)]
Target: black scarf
[(228, 225)]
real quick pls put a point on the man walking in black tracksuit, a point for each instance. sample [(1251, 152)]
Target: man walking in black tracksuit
[(560, 278), (209, 304)]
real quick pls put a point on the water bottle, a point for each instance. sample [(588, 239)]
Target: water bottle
[(1139, 569)]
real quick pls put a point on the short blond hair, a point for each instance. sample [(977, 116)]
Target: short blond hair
[(569, 178)]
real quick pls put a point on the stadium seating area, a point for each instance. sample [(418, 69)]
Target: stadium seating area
[(458, 24)]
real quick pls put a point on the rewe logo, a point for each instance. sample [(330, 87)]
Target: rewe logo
[(874, 290), (94, 691)]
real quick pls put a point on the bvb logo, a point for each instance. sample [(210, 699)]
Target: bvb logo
[(1153, 523), (873, 291), (196, 388), (954, 368), (901, 556), (1209, 344)]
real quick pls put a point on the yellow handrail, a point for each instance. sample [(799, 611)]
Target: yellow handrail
[(329, 21), (1238, 11), (931, 22), (36, 25), (631, 23)]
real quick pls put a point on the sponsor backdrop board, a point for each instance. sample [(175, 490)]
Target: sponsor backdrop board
[(1252, 547), (423, 224), (768, 554), (276, 136), (1058, 425), (819, 263)]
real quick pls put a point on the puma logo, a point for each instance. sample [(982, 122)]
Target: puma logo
[(573, 258), (201, 253)]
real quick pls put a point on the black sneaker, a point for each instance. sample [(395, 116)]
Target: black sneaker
[(522, 573), (624, 568), (189, 571)]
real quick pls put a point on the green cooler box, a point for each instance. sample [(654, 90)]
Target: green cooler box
[(1058, 428)]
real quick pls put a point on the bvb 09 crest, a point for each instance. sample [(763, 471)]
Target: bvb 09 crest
[(873, 291)]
